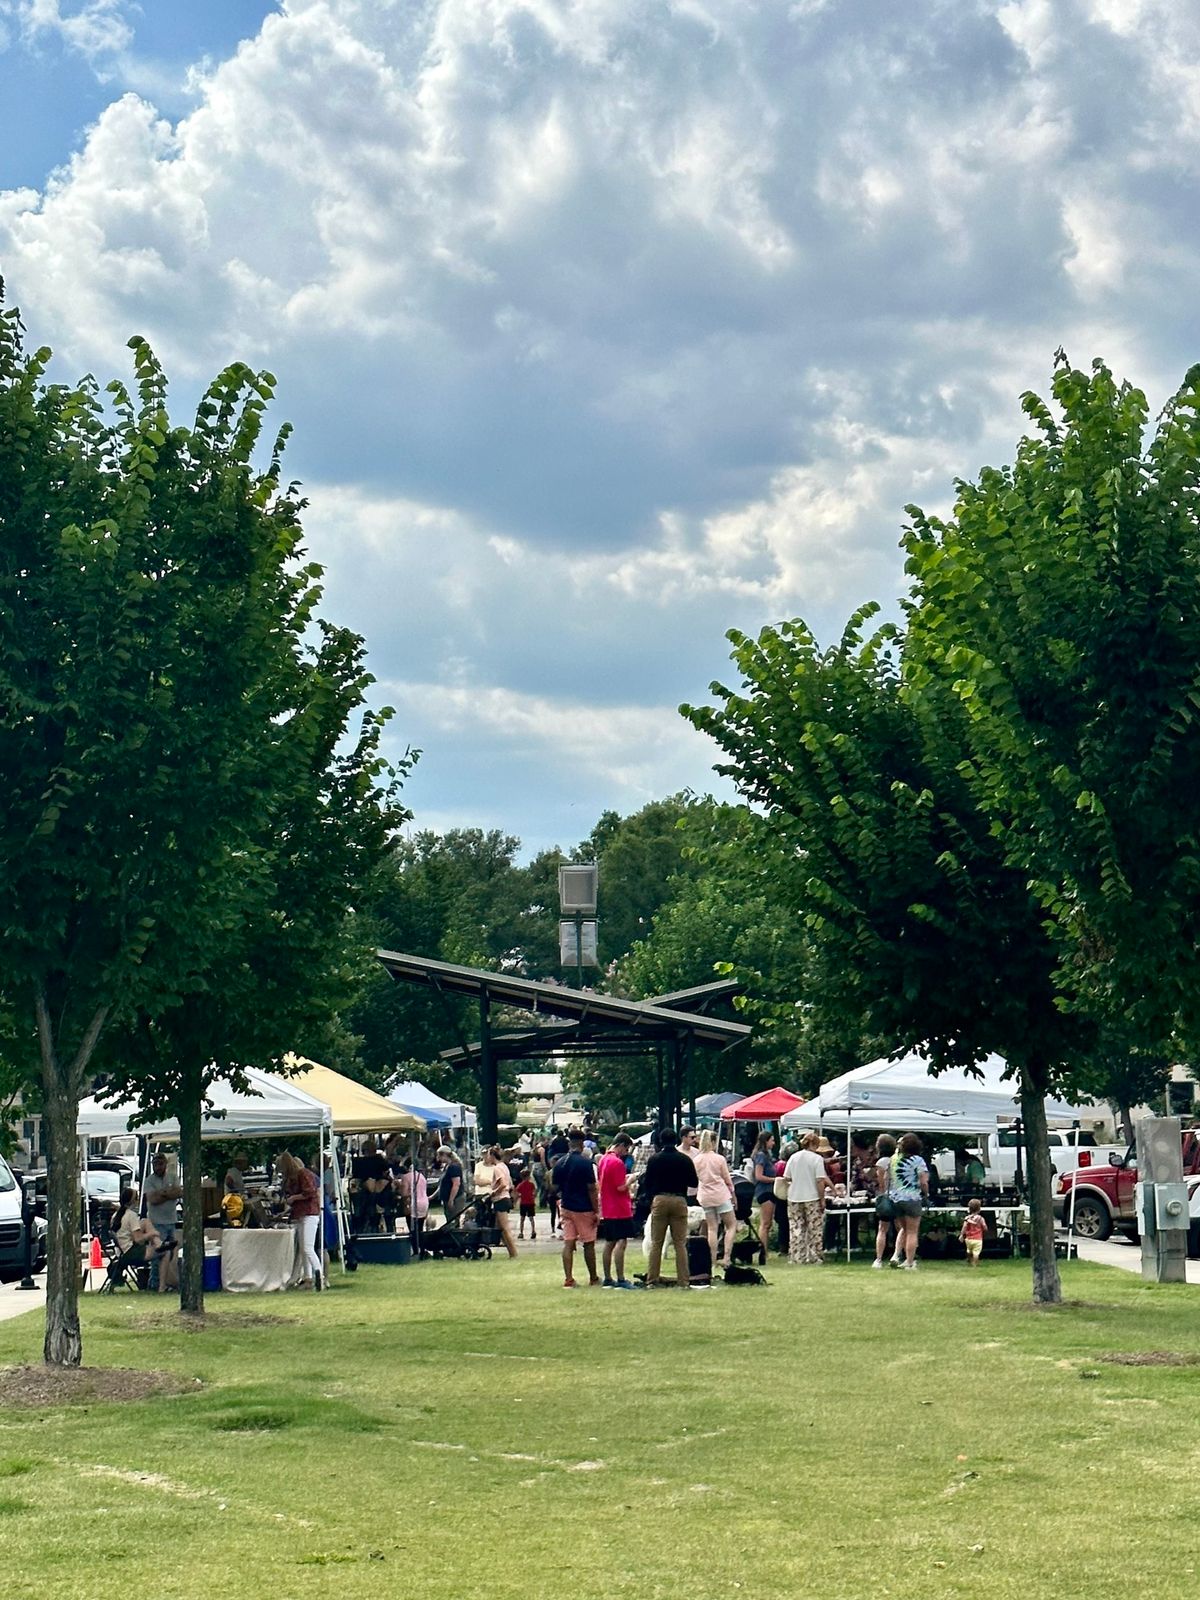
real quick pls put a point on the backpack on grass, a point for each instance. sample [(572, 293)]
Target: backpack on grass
[(744, 1277)]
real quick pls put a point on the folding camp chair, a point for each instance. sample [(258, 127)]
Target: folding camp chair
[(123, 1267)]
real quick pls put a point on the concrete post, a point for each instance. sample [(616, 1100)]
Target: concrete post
[(1160, 1160)]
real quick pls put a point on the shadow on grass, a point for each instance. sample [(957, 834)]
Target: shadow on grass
[(266, 1411)]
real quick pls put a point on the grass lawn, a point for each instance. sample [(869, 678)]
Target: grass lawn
[(463, 1429)]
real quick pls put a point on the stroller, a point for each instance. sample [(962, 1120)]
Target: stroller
[(466, 1239), (747, 1250)]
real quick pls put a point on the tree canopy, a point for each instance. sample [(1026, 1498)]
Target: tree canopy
[(987, 810), (160, 693)]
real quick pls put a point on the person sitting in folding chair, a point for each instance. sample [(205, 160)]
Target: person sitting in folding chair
[(133, 1239)]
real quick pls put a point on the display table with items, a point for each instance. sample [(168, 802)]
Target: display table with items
[(258, 1260), (940, 1225)]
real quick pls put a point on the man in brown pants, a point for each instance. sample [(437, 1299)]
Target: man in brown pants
[(668, 1177)]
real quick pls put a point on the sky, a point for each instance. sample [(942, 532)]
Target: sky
[(605, 326)]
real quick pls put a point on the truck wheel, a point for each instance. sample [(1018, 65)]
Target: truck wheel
[(1193, 1241), (1092, 1220)]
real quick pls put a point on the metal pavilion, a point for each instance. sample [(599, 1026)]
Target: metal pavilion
[(574, 1022)]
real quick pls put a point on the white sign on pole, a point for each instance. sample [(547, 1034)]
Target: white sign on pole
[(583, 954), (577, 889)]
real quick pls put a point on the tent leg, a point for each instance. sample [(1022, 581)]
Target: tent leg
[(85, 1218), (847, 1188), (337, 1204)]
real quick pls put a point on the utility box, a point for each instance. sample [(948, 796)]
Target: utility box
[(1170, 1205), (1162, 1201)]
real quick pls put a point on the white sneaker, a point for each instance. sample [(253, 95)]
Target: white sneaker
[(878, 1265), (910, 1266)]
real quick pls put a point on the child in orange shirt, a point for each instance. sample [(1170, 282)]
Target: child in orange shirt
[(973, 1230)]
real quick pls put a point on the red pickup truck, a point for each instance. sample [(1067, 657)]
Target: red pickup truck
[(1104, 1198), (1104, 1203)]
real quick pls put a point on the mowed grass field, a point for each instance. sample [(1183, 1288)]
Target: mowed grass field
[(472, 1429)]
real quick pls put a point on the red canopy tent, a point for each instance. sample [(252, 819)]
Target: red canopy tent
[(768, 1105)]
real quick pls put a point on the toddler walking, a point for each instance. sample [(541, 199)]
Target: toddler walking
[(527, 1197), (973, 1231)]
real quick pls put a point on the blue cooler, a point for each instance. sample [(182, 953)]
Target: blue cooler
[(212, 1273)]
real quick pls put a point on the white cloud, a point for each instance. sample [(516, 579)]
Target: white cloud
[(96, 28), (625, 754), (607, 327)]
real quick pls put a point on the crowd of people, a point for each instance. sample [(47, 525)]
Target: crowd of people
[(588, 1195), (581, 1193)]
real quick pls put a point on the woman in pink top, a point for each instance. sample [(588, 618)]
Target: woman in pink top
[(715, 1193), (502, 1196)]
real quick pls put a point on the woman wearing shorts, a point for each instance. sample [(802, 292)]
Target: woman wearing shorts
[(908, 1185), (502, 1196), (764, 1186), (885, 1149), (715, 1193)]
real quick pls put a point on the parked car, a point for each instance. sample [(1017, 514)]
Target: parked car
[(103, 1192), (12, 1229)]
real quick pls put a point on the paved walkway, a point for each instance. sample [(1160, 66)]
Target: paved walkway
[(15, 1302), (1118, 1252)]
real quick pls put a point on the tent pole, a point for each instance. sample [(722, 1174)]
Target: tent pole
[(321, 1201), (337, 1204), (849, 1114), (84, 1215)]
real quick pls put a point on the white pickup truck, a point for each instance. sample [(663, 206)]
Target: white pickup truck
[(1069, 1148)]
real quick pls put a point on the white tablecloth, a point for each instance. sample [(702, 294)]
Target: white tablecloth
[(257, 1260)]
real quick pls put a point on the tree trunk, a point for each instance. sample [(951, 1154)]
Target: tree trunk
[(191, 1272), (63, 1345), (61, 1088), (1047, 1286), (1127, 1124)]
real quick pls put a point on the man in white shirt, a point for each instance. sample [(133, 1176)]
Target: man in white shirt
[(807, 1186), (161, 1200)]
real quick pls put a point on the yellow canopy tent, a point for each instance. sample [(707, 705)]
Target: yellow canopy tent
[(355, 1108)]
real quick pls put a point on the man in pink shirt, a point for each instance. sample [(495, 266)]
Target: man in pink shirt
[(617, 1226)]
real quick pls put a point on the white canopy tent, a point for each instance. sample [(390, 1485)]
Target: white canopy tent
[(273, 1109), (904, 1094), (885, 1093), (911, 1119)]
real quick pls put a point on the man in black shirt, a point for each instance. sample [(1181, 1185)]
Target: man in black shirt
[(450, 1185), (374, 1198), (668, 1177), (574, 1179)]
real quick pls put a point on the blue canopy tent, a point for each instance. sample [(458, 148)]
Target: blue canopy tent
[(436, 1112)]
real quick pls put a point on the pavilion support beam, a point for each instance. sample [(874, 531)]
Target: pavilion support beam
[(664, 1115), (676, 1116), (489, 1086)]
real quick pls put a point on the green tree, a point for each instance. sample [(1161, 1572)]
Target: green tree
[(152, 607), (1060, 604), (922, 933), (288, 955)]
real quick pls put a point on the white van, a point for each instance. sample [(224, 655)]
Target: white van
[(12, 1229)]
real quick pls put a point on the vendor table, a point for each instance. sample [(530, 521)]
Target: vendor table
[(257, 1260), (999, 1217)]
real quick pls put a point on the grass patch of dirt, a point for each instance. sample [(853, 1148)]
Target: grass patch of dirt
[(31, 1387), (229, 1319), (1036, 1305), (1150, 1358)]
